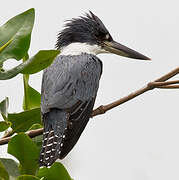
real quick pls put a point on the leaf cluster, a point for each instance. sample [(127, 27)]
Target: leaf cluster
[(15, 37)]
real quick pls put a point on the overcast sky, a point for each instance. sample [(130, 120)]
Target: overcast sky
[(139, 139)]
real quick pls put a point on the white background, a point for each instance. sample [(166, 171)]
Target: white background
[(140, 139)]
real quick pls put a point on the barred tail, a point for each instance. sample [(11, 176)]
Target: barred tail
[(55, 124)]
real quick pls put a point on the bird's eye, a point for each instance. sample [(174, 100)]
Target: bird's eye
[(103, 36), (107, 36)]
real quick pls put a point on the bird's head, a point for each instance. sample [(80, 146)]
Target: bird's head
[(89, 35)]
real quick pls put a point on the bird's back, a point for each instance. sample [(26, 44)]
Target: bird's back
[(69, 89)]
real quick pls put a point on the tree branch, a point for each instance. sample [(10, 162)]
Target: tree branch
[(158, 83), (151, 85)]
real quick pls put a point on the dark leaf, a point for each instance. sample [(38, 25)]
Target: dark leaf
[(38, 141), (40, 61), (4, 125), (15, 36), (31, 97), (35, 64), (27, 177), (3, 173), (4, 106), (56, 172), (21, 122), (35, 126), (11, 167), (26, 151)]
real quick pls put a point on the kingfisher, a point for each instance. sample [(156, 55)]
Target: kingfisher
[(70, 83)]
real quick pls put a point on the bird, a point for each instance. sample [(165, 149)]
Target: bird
[(70, 83)]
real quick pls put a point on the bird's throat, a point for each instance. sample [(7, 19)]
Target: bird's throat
[(79, 48)]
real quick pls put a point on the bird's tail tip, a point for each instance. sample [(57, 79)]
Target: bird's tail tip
[(50, 148), (53, 136)]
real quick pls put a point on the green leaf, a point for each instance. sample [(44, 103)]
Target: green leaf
[(3, 173), (25, 150), (35, 64), (35, 126), (3, 110), (4, 106), (15, 36), (12, 72), (38, 141), (22, 121), (40, 61), (4, 125), (27, 177), (56, 172), (11, 167), (5, 45), (31, 97)]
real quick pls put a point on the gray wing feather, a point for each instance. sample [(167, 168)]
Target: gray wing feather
[(69, 89), (70, 79)]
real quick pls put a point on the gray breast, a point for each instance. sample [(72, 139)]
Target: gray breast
[(70, 79)]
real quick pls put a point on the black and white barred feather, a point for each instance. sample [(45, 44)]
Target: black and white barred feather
[(62, 130), (55, 125)]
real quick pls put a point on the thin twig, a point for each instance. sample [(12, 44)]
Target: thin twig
[(158, 83), (169, 87), (8, 134), (31, 134), (168, 75)]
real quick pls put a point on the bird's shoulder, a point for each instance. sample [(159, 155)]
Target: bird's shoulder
[(73, 63), (84, 66), (70, 79)]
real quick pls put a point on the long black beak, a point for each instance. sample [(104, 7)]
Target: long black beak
[(119, 49)]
